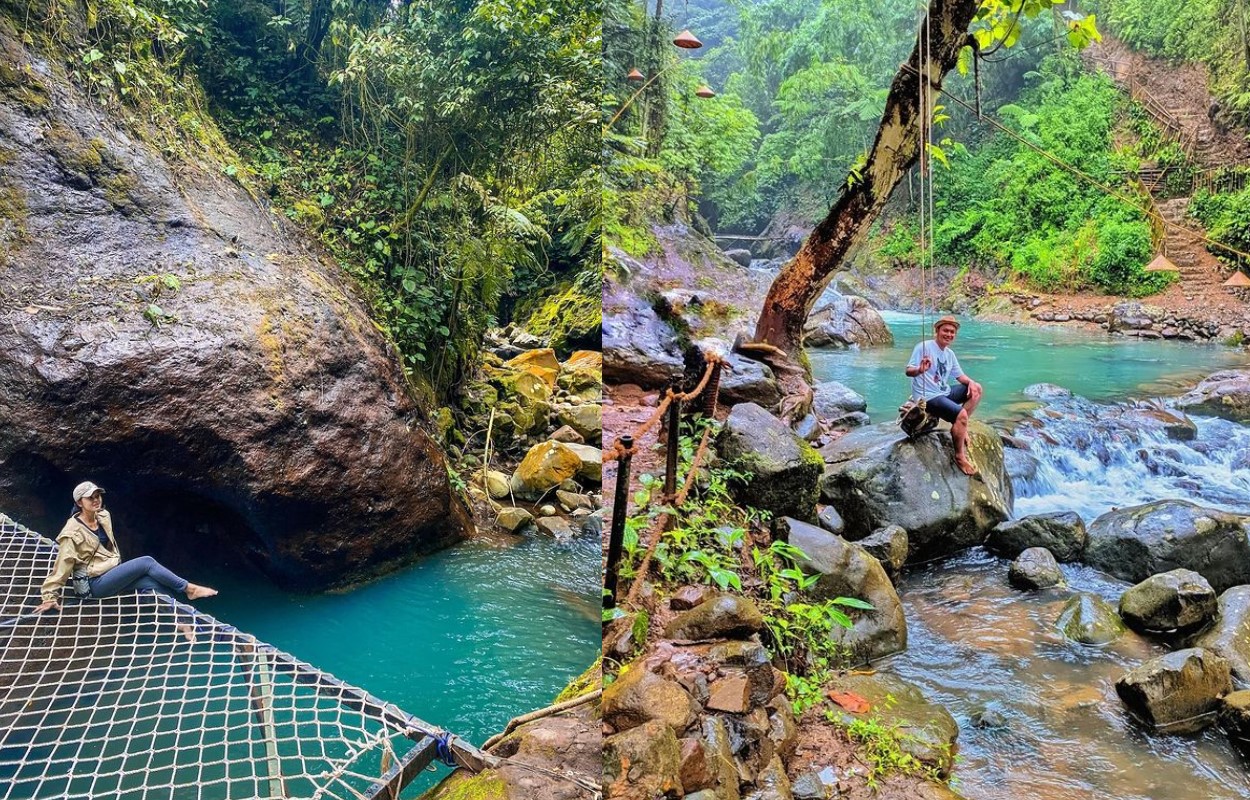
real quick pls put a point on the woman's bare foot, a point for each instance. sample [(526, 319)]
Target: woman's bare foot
[(965, 465), (196, 592)]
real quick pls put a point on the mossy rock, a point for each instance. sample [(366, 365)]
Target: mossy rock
[(571, 318), (782, 471), (461, 785), (585, 683)]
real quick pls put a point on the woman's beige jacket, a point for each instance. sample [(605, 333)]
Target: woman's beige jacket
[(76, 544)]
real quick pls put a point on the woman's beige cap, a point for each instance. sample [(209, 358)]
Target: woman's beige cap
[(84, 489)]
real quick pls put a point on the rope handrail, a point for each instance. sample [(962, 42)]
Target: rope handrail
[(616, 451)]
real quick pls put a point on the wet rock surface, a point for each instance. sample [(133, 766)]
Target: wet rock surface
[(1223, 394), (1087, 619), (1137, 542), (783, 470), (1178, 692), (876, 477), (1176, 600), (1062, 533), (845, 321), (1035, 568), (171, 314), (1229, 637), (847, 570)]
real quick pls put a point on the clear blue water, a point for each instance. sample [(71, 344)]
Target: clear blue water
[(1007, 358), (466, 639)]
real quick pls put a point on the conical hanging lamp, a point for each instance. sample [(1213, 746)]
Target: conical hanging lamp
[(705, 91), (686, 39), (1238, 280), (1161, 264), (634, 75)]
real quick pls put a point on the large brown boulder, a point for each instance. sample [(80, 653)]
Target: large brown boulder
[(166, 335), (845, 321), (1230, 635), (1178, 692)]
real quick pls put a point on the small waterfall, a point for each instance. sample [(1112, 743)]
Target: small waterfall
[(1088, 458)]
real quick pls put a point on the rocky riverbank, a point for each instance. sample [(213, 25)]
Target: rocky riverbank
[(529, 436)]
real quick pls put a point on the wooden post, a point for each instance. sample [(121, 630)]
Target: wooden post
[(712, 392), (671, 449), (620, 511)]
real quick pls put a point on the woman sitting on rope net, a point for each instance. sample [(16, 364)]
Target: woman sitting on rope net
[(88, 558)]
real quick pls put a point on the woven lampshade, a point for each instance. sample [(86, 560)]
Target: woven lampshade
[(634, 75), (686, 39), (705, 91), (1238, 280)]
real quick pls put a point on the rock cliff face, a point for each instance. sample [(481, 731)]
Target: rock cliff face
[(165, 335)]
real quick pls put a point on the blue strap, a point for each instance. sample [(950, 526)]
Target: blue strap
[(442, 742)]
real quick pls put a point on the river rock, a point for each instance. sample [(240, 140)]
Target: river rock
[(544, 467), (718, 742), (638, 347), (1177, 600), (1223, 394), (642, 763), (1177, 692), (541, 363), (877, 477), (783, 471), (845, 321), (638, 696), (589, 462), (829, 519), (513, 519), (687, 597), (740, 255), (1021, 468), (1230, 636), (1174, 424), (748, 381), (1060, 532), (585, 419), (771, 783), (1046, 392), (582, 373), (926, 730), (833, 400), (568, 435), (221, 362), (855, 419), (1132, 316), (1135, 543), (1035, 568), (1235, 717), (889, 546), (1087, 619), (497, 484), (722, 617), (847, 570), (557, 527)]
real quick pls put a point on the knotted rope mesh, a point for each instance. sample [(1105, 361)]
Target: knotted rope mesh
[(111, 699)]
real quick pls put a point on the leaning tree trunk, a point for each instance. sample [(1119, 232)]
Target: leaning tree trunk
[(803, 279)]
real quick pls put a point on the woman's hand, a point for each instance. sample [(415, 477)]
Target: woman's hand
[(47, 605)]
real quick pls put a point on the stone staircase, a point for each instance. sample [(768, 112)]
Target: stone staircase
[(1201, 272)]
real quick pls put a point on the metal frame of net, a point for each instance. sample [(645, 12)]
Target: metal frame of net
[(111, 698)]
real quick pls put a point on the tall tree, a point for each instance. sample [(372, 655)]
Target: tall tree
[(944, 34)]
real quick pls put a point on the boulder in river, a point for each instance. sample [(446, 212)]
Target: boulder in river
[(1177, 692), (783, 472), (1179, 599), (1035, 568), (889, 546), (846, 321), (1088, 619), (747, 381), (1230, 636), (847, 570), (1060, 532), (833, 400), (544, 467), (1223, 394), (1235, 717), (877, 477), (167, 334), (1137, 542)]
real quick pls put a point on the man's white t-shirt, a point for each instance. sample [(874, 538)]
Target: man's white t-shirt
[(943, 371)]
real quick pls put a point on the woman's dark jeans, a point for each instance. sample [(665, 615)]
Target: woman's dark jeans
[(144, 572)]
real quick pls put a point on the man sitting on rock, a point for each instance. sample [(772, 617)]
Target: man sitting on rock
[(932, 368)]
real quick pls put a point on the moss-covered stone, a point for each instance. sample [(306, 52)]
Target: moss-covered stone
[(570, 318), (587, 682), (486, 785)]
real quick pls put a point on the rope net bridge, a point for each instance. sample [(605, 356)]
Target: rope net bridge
[(111, 698)]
